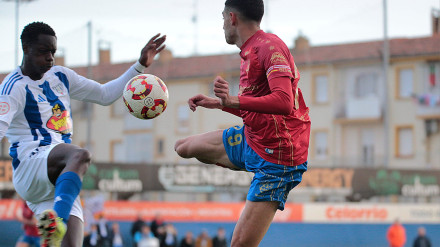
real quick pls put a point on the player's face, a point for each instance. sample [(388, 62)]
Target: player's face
[(227, 27), (40, 55)]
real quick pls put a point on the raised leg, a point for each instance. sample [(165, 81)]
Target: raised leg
[(207, 148), (66, 166)]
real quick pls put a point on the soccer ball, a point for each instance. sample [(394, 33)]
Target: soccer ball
[(146, 96)]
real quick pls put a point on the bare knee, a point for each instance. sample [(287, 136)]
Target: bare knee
[(206, 147), (182, 149), (79, 161), (82, 156)]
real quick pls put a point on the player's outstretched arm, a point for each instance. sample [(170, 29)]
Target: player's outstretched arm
[(105, 94), (204, 101), (151, 49)]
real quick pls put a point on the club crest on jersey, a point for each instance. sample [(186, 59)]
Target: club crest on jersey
[(278, 58), (58, 88), (60, 120), (4, 108)]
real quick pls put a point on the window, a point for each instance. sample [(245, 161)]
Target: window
[(160, 147), (321, 89), (405, 139), (405, 83), (182, 119), (138, 147), (321, 144), (117, 151), (366, 85), (432, 78), (367, 146)]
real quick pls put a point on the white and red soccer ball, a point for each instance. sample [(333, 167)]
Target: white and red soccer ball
[(145, 96)]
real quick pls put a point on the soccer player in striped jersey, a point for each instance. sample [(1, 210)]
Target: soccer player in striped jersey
[(274, 140), (35, 117)]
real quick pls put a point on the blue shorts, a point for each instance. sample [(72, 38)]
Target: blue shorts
[(30, 240), (271, 182)]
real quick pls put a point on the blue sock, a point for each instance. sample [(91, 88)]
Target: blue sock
[(67, 188)]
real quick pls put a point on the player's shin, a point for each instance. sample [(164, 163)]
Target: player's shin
[(67, 188)]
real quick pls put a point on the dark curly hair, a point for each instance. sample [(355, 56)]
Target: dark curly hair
[(252, 10), (32, 30)]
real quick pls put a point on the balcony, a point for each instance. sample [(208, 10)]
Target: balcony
[(366, 107), (428, 105), (428, 112), (361, 109)]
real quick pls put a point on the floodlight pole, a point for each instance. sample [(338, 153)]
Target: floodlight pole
[(16, 32), (386, 61), (17, 38), (89, 106), (195, 20)]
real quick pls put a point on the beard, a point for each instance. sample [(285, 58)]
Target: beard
[(230, 38)]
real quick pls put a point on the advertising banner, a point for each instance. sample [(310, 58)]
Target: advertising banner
[(176, 178), (357, 183), (8, 209), (370, 213), (191, 211), (171, 211), (372, 182), (229, 212), (6, 175)]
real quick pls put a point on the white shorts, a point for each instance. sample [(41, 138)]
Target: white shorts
[(33, 185)]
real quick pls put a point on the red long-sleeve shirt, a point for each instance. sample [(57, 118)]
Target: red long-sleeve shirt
[(271, 104)]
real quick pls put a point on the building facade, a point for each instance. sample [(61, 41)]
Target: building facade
[(361, 116), (364, 114)]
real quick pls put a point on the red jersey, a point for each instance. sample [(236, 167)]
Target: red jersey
[(279, 139), (29, 230)]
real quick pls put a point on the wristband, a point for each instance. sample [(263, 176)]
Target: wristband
[(139, 67)]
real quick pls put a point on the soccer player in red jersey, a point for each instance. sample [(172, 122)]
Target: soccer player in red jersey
[(30, 236), (274, 139)]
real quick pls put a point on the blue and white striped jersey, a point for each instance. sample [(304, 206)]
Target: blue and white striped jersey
[(37, 113)]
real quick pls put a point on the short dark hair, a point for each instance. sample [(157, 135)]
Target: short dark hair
[(249, 9), (32, 30)]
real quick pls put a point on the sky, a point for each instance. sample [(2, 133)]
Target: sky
[(126, 25)]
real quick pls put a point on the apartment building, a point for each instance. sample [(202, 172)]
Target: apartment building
[(364, 116), (361, 114)]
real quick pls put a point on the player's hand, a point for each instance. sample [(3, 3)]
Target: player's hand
[(221, 90), (153, 47), (204, 101)]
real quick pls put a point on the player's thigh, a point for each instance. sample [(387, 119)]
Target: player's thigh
[(30, 177), (75, 233), (253, 223), (208, 145)]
